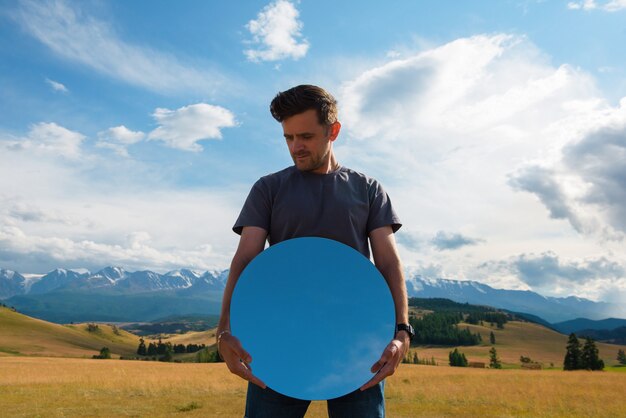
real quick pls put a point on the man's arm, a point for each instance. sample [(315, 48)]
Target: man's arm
[(387, 261), (237, 359)]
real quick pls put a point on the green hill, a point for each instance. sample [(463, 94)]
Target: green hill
[(22, 335), (517, 339)]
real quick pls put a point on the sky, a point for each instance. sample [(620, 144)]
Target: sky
[(131, 132)]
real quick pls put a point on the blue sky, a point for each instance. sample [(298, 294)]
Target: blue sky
[(131, 132)]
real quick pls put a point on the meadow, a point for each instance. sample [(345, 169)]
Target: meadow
[(64, 387)]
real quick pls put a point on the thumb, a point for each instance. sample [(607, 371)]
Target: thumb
[(239, 350)]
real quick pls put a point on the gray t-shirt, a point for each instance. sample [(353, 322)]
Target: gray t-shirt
[(343, 205)]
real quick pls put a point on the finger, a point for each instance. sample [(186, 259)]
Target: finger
[(244, 371), (384, 372), (253, 379), (247, 375), (387, 355), (377, 366), (235, 345)]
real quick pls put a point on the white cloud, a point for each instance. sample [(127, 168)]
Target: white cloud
[(49, 139), (449, 130), (94, 211), (118, 139), (550, 274), (615, 5), (157, 230), (451, 241), (74, 35), (585, 5), (56, 86), (184, 127), (609, 6), (586, 182), (277, 31)]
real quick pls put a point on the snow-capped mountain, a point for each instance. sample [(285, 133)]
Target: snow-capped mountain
[(184, 284), (55, 279), (11, 283), (110, 279), (551, 309), (209, 281), (186, 276)]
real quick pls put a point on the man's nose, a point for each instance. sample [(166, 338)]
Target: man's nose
[(297, 145)]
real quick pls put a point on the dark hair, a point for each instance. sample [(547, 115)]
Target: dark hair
[(301, 98)]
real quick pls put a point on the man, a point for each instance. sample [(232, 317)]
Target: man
[(316, 197)]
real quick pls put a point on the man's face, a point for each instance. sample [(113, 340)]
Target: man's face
[(309, 142)]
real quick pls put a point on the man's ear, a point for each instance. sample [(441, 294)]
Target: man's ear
[(334, 131)]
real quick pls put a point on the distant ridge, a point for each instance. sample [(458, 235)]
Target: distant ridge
[(578, 324), (551, 309), (109, 279), (113, 293)]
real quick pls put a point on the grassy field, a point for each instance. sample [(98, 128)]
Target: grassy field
[(26, 336), (36, 381), (23, 335), (61, 387), (518, 339)]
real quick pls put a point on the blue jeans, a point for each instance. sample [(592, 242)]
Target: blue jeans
[(267, 403)]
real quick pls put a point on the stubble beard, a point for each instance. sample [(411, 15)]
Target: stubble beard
[(311, 163)]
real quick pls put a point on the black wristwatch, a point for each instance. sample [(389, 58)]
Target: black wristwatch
[(408, 328)]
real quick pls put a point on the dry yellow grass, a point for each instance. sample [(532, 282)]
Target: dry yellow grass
[(57, 387), (23, 335), (26, 336), (193, 337), (518, 339)]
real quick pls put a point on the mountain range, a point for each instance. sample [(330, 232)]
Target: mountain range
[(113, 294), (109, 279)]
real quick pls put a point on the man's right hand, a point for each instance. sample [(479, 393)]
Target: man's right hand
[(237, 359)]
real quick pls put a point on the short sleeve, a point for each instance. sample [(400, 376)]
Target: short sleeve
[(256, 210), (381, 211)]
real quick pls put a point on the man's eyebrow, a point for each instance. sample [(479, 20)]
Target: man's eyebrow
[(298, 134)]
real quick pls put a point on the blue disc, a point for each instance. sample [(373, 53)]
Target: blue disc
[(315, 315)]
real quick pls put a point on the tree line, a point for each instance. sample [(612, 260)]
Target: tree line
[(161, 348), (440, 328), (495, 318), (581, 357), (458, 359)]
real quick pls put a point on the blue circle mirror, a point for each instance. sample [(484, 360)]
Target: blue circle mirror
[(315, 315)]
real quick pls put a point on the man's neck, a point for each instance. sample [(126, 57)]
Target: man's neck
[(330, 166)]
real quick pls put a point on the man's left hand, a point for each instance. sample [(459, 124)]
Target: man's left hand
[(390, 359)]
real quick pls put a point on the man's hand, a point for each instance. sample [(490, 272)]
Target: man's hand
[(237, 359), (390, 359)]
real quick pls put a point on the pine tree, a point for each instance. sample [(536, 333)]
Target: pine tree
[(105, 353), (152, 349), (161, 349), (573, 354), (494, 361), (492, 338), (590, 357), (141, 350), (457, 359), (416, 360), (621, 357), (169, 353)]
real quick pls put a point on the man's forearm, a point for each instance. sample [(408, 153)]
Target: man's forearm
[(251, 243), (236, 268), (394, 277)]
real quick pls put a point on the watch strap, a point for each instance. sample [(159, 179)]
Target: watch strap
[(407, 328)]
